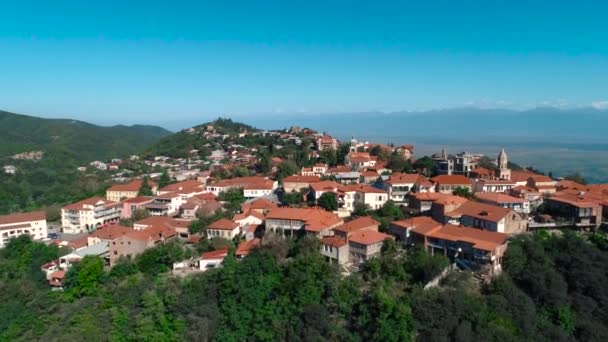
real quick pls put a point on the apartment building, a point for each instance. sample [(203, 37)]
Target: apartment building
[(89, 214), (13, 225)]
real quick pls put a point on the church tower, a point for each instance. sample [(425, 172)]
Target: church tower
[(444, 154), (503, 171)]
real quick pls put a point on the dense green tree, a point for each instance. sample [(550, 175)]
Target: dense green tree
[(426, 166), (287, 168), (463, 192), (145, 189), (328, 201), (292, 199), (328, 157), (83, 279), (576, 177), (398, 163), (164, 179)]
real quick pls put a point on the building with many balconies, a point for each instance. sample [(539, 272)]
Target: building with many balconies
[(89, 214)]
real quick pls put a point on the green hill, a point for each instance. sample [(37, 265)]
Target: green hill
[(79, 140), (180, 143)]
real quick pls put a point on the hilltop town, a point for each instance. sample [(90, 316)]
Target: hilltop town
[(233, 184)]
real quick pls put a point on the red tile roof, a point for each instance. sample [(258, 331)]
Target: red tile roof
[(245, 182), (22, 217), (90, 201), (315, 219), (246, 247), (480, 239), (223, 224), (452, 179), (132, 186), (184, 187), (541, 178), (368, 237), (496, 197), (482, 211), (138, 199), (357, 224), (420, 224), (217, 254), (333, 241), (111, 232), (403, 178), (301, 179)]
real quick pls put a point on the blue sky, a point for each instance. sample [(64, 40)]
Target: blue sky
[(169, 61)]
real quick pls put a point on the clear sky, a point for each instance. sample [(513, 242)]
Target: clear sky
[(163, 61)]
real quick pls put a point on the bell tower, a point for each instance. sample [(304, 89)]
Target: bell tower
[(503, 171)]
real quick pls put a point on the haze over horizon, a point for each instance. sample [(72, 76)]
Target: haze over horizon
[(142, 62)]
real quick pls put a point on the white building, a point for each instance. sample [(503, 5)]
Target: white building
[(10, 169), (13, 225), (89, 214)]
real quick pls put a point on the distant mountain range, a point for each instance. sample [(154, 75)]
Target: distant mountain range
[(459, 124), (74, 139)]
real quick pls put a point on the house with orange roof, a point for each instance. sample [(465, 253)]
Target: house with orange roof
[(490, 185), (423, 201), (487, 217), (203, 204), (249, 217), (32, 224), (253, 186), (289, 221), (469, 246), (89, 214), (370, 196), (444, 204), (360, 223), (185, 189), (135, 242), (260, 205), (582, 207), (119, 192), (223, 228), (520, 177), (542, 184), (401, 229), (212, 259), (246, 247), (448, 183), (297, 183), (130, 205), (319, 188), (319, 169), (400, 185), (365, 244), (326, 142), (517, 204), (368, 176), (179, 225), (335, 249), (107, 234), (360, 160), (534, 197), (407, 151), (166, 204)]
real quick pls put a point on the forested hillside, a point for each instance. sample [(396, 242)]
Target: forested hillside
[(553, 289), (180, 143), (73, 139)]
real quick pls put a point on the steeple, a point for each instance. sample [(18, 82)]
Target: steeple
[(503, 171), (502, 160), (444, 154)]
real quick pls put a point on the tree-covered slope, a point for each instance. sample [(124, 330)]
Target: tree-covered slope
[(180, 143), (71, 138)]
